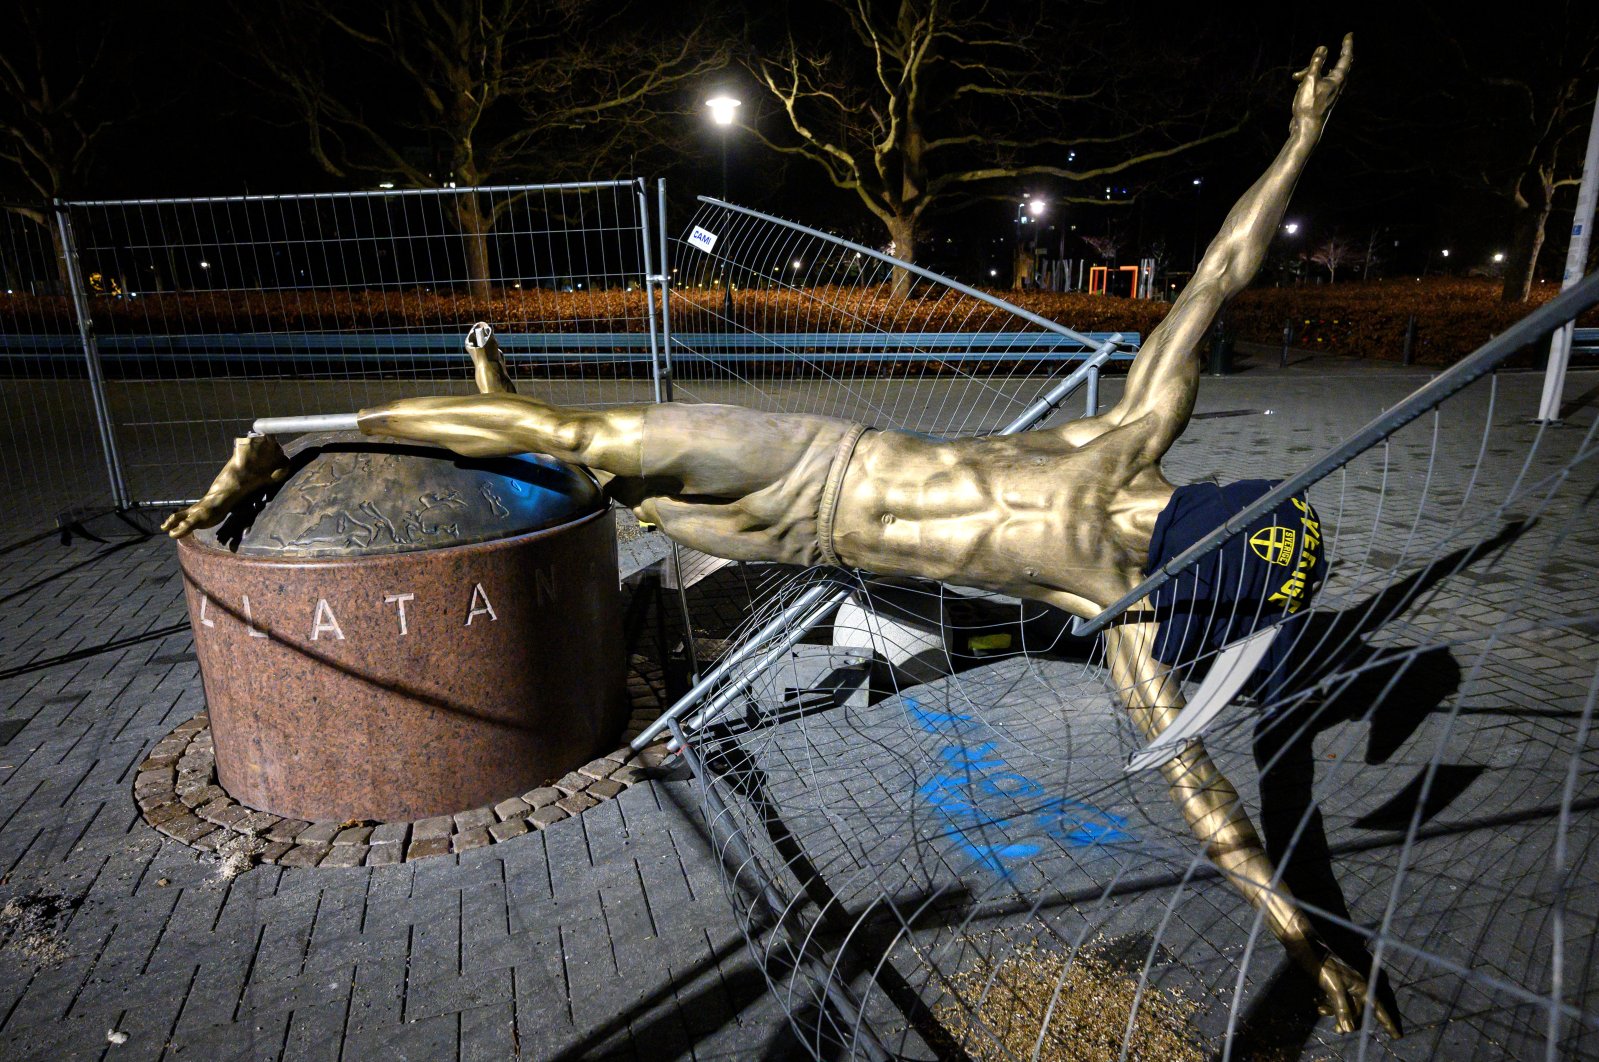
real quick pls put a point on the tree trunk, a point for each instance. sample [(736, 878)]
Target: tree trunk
[(902, 231), (1532, 215), (475, 224)]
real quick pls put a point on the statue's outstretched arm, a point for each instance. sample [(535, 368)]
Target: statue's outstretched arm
[(1214, 812), (1165, 375), (259, 461)]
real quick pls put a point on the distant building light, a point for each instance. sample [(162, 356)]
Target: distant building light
[(1499, 256), (385, 185), (993, 272), (204, 264), (1446, 252)]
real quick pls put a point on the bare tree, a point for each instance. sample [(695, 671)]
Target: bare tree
[(907, 104), (1335, 252), (428, 93), (50, 121), (1369, 258), (1528, 95), (1107, 246)]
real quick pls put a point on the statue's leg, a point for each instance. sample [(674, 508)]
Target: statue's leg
[(1208, 801), (1215, 814)]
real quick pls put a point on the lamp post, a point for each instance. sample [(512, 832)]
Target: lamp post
[(722, 108), (1028, 211)]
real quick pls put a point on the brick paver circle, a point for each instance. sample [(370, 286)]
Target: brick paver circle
[(177, 791)]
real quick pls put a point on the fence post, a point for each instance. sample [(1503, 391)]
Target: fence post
[(91, 355), (1408, 355), (661, 366), (1093, 392), (1288, 341)]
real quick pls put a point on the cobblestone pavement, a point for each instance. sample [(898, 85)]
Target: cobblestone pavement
[(604, 936)]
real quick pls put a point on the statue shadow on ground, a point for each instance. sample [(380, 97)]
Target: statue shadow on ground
[(1391, 688)]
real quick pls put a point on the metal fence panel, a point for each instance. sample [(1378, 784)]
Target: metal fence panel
[(55, 468), (211, 312)]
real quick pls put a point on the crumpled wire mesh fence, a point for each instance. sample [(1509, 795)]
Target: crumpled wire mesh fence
[(937, 851)]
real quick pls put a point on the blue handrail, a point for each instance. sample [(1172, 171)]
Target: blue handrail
[(580, 346)]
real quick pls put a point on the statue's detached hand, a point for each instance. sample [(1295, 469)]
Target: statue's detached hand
[(1346, 994), (1317, 93), (256, 462)]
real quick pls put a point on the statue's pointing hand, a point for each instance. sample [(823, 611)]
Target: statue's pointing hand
[(1317, 93)]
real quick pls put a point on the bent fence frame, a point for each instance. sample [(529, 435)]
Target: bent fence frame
[(708, 701), (743, 665)]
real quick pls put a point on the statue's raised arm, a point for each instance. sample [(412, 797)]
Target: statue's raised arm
[(1165, 376)]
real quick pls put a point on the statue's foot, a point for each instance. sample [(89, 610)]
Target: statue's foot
[(257, 461), (1346, 994), (488, 361)]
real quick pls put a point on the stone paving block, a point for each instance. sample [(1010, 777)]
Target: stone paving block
[(353, 835), (421, 848), (504, 831), (452, 994), (542, 797), (390, 832), (473, 819), (304, 855), (488, 1034), (576, 803), (434, 1038), (345, 855), (548, 816), (319, 833), (604, 788), (600, 768), (256, 822), (379, 855), (473, 838), (432, 829), (513, 808), (286, 829), (572, 782)]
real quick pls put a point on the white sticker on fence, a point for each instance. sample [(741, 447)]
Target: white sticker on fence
[(702, 239)]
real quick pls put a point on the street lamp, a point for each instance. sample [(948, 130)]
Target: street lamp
[(722, 108), (1291, 228), (1028, 211)]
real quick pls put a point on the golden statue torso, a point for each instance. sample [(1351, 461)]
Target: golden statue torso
[(1035, 515)]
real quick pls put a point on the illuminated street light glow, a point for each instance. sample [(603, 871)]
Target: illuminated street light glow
[(1291, 228), (1499, 256), (722, 108), (1446, 252), (1036, 207), (796, 264), (204, 264)]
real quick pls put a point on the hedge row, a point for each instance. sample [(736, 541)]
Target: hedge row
[(1364, 319)]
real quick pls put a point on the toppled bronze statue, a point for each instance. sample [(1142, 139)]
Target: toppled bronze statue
[(1072, 515)]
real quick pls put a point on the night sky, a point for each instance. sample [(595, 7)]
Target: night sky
[(1398, 156)]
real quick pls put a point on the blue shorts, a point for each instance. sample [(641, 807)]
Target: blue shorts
[(1259, 577)]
